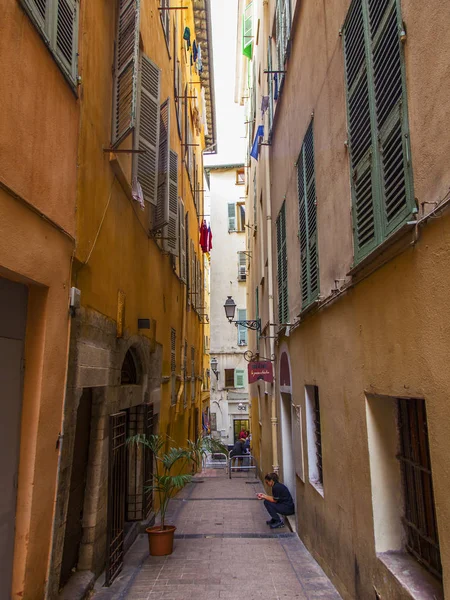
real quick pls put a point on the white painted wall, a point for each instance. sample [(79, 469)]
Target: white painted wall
[(224, 282)]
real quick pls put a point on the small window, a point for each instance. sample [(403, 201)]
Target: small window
[(239, 378), (242, 266), (242, 330), (314, 433), (192, 373), (165, 19), (229, 378), (240, 177), (231, 217), (419, 519), (173, 357)]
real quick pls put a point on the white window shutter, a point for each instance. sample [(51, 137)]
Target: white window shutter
[(242, 331), (67, 36), (242, 269), (145, 166), (182, 240), (170, 233), (126, 70), (231, 217), (162, 204)]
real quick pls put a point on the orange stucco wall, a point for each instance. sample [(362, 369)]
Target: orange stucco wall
[(38, 137)]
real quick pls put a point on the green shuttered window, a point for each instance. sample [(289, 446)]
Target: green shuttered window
[(309, 256), (381, 177), (283, 307), (247, 31)]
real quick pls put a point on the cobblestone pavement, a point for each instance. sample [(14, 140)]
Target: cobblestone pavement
[(223, 551)]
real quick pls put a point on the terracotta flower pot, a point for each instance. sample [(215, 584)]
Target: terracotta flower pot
[(160, 541)]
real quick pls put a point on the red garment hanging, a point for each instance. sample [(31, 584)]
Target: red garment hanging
[(204, 237), (209, 237)]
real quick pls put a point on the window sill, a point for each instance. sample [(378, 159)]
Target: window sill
[(318, 487), (384, 252), (413, 578), (314, 305)]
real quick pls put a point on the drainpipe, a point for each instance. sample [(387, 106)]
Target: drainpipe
[(274, 418)]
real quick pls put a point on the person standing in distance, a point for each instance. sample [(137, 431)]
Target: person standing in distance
[(280, 503)]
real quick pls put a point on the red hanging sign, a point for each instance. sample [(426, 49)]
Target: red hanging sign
[(260, 371)]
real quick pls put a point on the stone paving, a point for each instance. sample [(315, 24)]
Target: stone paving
[(223, 551)]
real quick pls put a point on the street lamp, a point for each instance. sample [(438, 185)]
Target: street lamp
[(230, 309), (214, 367)]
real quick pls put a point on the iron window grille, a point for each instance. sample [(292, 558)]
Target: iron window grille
[(318, 433), (419, 520)]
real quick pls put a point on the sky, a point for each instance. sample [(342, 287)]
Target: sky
[(229, 115)]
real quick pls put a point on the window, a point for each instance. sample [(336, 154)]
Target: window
[(240, 210), (231, 217), (242, 331), (282, 34), (420, 517), (165, 19), (240, 177), (239, 378), (229, 378), (382, 192), (314, 433), (270, 84), (173, 364), (192, 373), (257, 316), (255, 220), (213, 422), (57, 22), (177, 78), (242, 266), (185, 374), (309, 259), (283, 308), (247, 31)]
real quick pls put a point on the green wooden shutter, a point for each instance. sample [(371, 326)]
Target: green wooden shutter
[(126, 70), (66, 45), (171, 231), (239, 378), (231, 217), (162, 205), (378, 129), (242, 331), (283, 307), (392, 124), (257, 315), (145, 166), (247, 32), (309, 259), (39, 13)]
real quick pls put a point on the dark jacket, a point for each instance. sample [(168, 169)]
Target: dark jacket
[(238, 449)]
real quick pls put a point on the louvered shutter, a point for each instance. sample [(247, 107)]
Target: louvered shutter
[(239, 378), (162, 205), (188, 262), (309, 259), (360, 132), (283, 310), (126, 70), (193, 281), (182, 240), (39, 12), (242, 331), (242, 267), (66, 46), (385, 24), (145, 166), (231, 217), (170, 233), (200, 287), (247, 31)]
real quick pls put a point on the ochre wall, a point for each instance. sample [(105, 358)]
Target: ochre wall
[(38, 137), (389, 334), (123, 257)]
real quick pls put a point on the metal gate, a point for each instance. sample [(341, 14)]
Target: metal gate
[(116, 495), (148, 461)]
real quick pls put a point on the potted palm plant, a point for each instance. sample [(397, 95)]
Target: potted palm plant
[(165, 483)]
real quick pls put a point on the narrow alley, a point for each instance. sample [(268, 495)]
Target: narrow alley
[(223, 550)]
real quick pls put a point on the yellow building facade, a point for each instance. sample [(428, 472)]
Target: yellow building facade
[(137, 342), (38, 144)]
